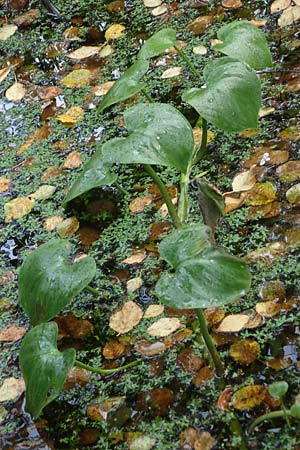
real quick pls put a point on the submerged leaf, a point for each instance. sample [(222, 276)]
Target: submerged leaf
[(243, 41), (231, 99), (43, 366), (153, 129), (126, 86), (158, 43), (205, 276), (47, 282)]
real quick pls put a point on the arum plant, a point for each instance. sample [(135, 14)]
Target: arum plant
[(201, 273)]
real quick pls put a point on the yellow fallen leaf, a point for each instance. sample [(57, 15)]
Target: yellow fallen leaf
[(248, 397), (134, 284), (171, 73), (233, 323), (153, 311), (18, 208), (244, 352), (78, 78), (72, 161), (6, 31), (106, 51), (114, 31), (68, 227), (3, 73), (52, 222), (84, 52), (43, 192), (269, 308), (136, 258), (4, 184), (164, 326), (11, 389), (71, 116), (16, 92), (126, 318)]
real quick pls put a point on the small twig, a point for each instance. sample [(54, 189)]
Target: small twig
[(54, 11)]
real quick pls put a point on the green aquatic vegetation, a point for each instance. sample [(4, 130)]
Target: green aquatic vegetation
[(201, 273)]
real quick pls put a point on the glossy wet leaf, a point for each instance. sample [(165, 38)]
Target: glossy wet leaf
[(211, 203), (278, 389), (249, 396), (244, 351), (231, 99), (126, 86), (245, 42), (96, 172), (295, 410), (205, 275), (158, 43), (153, 129), (47, 282), (44, 367)]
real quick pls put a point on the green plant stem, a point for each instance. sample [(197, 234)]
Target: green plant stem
[(104, 371), (120, 188), (286, 416), (268, 416), (93, 291), (210, 344), (203, 145), (172, 211), (145, 94), (236, 429), (184, 185), (188, 62)]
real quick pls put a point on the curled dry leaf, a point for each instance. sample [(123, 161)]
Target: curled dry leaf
[(224, 398), (126, 318), (153, 311), (3, 73), (232, 203), (172, 72), (244, 180), (244, 352), (114, 31), (71, 116), (7, 30), (16, 92), (72, 161), (136, 258), (12, 333), (18, 208), (71, 326), (164, 326), (248, 397), (84, 52), (134, 284), (11, 389), (233, 323)]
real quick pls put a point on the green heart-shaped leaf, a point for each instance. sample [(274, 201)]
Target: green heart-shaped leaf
[(245, 42), (158, 134), (96, 172), (43, 366), (278, 389), (205, 276), (47, 282), (158, 43), (126, 86), (232, 97)]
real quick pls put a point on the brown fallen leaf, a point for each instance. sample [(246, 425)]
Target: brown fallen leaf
[(272, 290), (233, 323), (190, 361), (84, 52), (279, 363), (87, 235), (23, 20), (196, 439), (205, 374), (153, 311), (102, 89), (161, 400), (72, 161), (232, 203), (268, 309), (224, 398), (103, 410), (289, 172), (248, 397), (43, 192), (200, 24), (7, 30), (138, 204), (52, 222), (114, 31), (265, 156), (77, 377), (232, 4), (11, 389), (71, 116), (279, 5), (12, 333), (52, 172), (136, 258), (16, 92), (289, 16), (291, 133), (265, 211), (149, 349), (164, 326), (268, 254), (213, 316), (18, 208), (37, 136), (114, 349), (68, 227), (126, 318), (244, 351), (4, 184), (71, 326)]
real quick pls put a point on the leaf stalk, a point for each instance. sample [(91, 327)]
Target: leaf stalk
[(104, 371)]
